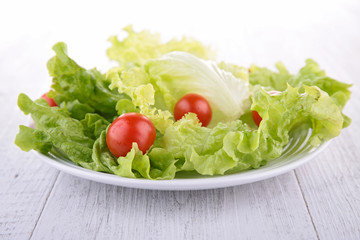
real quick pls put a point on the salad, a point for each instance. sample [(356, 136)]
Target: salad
[(171, 107)]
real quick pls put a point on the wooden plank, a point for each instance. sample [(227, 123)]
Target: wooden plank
[(331, 184), (25, 183), (23, 193), (81, 209)]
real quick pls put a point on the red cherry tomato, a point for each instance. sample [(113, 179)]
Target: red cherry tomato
[(256, 117), (129, 128), (255, 114), (196, 104), (50, 101)]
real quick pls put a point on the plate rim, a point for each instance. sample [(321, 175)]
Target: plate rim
[(182, 184)]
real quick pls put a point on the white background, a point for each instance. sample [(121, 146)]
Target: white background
[(317, 201), (243, 32)]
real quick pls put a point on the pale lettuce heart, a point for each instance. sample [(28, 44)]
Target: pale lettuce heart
[(179, 73)]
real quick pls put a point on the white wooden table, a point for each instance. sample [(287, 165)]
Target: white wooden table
[(320, 200)]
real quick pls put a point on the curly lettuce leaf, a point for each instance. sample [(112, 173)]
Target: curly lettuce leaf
[(94, 125), (235, 145), (267, 78), (77, 109), (156, 165), (138, 47), (74, 83), (237, 71), (29, 138), (54, 126), (291, 107), (135, 83), (309, 75), (217, 150)]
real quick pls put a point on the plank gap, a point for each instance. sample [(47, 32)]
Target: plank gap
[(42, 209), (306, 204)]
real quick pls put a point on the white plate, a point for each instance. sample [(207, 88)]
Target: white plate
[(296, 153)]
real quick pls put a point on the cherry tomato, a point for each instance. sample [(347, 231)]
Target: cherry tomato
[(256, 117), (196, 104), (129, 128), (50, 101), (255, 114)]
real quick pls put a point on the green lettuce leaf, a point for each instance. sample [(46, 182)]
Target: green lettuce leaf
[(267, 78), (54, 127), (137, 48), (77, 109), (156, 165), (283, 111), (235, 145), (74, 83), (29, 138), (309, 75), (134, 82), (94, 125), (237, 71)]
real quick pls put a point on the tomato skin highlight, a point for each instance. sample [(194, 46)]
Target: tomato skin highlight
[(129, 128), (255, 114), (50, 101), (196, 104)]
